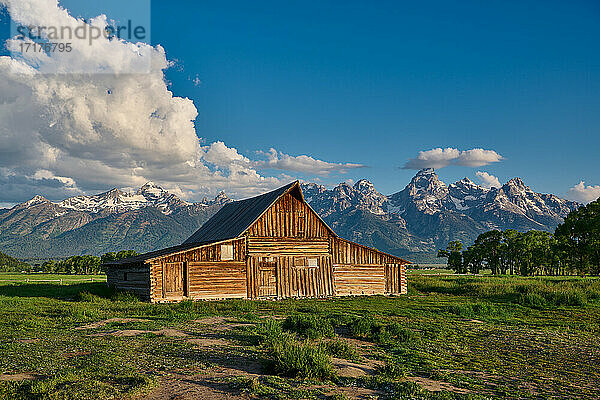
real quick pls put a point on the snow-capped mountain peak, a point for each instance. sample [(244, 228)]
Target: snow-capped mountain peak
[(425, 215), (517, 184), (364, 186), (151, 190), (361, 196), (425, 192), (465, 194), (115, 200), (426, 172), (221, 199), (465, 182), (36, 200)]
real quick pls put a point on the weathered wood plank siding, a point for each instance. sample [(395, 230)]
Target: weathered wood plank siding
[(217, 280), (361, 270), (294, 277), (354, 280), (289, 217), (133, 278), (287, 246), (395, 278), (210, 255), (207, 253), (347, 252)]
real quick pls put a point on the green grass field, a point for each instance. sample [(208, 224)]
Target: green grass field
[(13, 278), (450, 338)]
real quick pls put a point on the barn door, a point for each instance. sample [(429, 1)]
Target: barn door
[(393, 279), (267, 277), (173, 279)]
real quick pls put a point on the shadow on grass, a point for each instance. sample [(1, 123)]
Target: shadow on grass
[(54, 291)]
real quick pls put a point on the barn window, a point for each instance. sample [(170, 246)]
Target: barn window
[(312, 263), (125, 277), (226, 252), (299, 261)]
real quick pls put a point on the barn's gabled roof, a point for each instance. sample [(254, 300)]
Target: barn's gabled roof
[(233, 219)]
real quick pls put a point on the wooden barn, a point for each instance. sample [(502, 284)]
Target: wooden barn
[(271, 246)]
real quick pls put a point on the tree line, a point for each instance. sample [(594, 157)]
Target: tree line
[(9, 264), (574, 248), (84, 265)]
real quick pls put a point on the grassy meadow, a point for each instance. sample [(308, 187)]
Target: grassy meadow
[(451, 337)]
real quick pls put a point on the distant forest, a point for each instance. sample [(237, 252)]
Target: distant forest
[(9, 264), (573, 249), (75, 265)]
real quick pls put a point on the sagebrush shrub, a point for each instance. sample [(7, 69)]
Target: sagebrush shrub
[(292, 358), (341, 349), (309, 326)]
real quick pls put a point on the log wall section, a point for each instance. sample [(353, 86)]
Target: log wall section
[(360, 270), (217, 280), (134, 278), (356, 280)]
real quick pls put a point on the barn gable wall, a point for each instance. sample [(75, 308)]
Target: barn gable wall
[(289, 217)]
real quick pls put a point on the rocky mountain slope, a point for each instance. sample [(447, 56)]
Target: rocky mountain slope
[(421, 218), (427, 213), (148, 219)]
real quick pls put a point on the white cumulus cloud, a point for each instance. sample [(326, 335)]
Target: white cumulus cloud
[(488, 181), (304, 164), (440, 158), (584, 194), (81, 121)]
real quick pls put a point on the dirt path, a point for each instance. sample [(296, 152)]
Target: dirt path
[(185, 387)]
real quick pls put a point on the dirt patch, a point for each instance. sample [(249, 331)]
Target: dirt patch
[(168, 332), (28, 340), (207, 385), (211, 321), (136, 332), (219, 323), (474, 321), (17, 377), (100, 324), (184, 387), (360, 344), (349, 369), (436, 386), (209, 342), (355, 393)]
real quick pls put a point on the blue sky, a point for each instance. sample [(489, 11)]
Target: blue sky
[(375, 83)]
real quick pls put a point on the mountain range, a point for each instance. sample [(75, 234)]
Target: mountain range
[(413, 222)]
